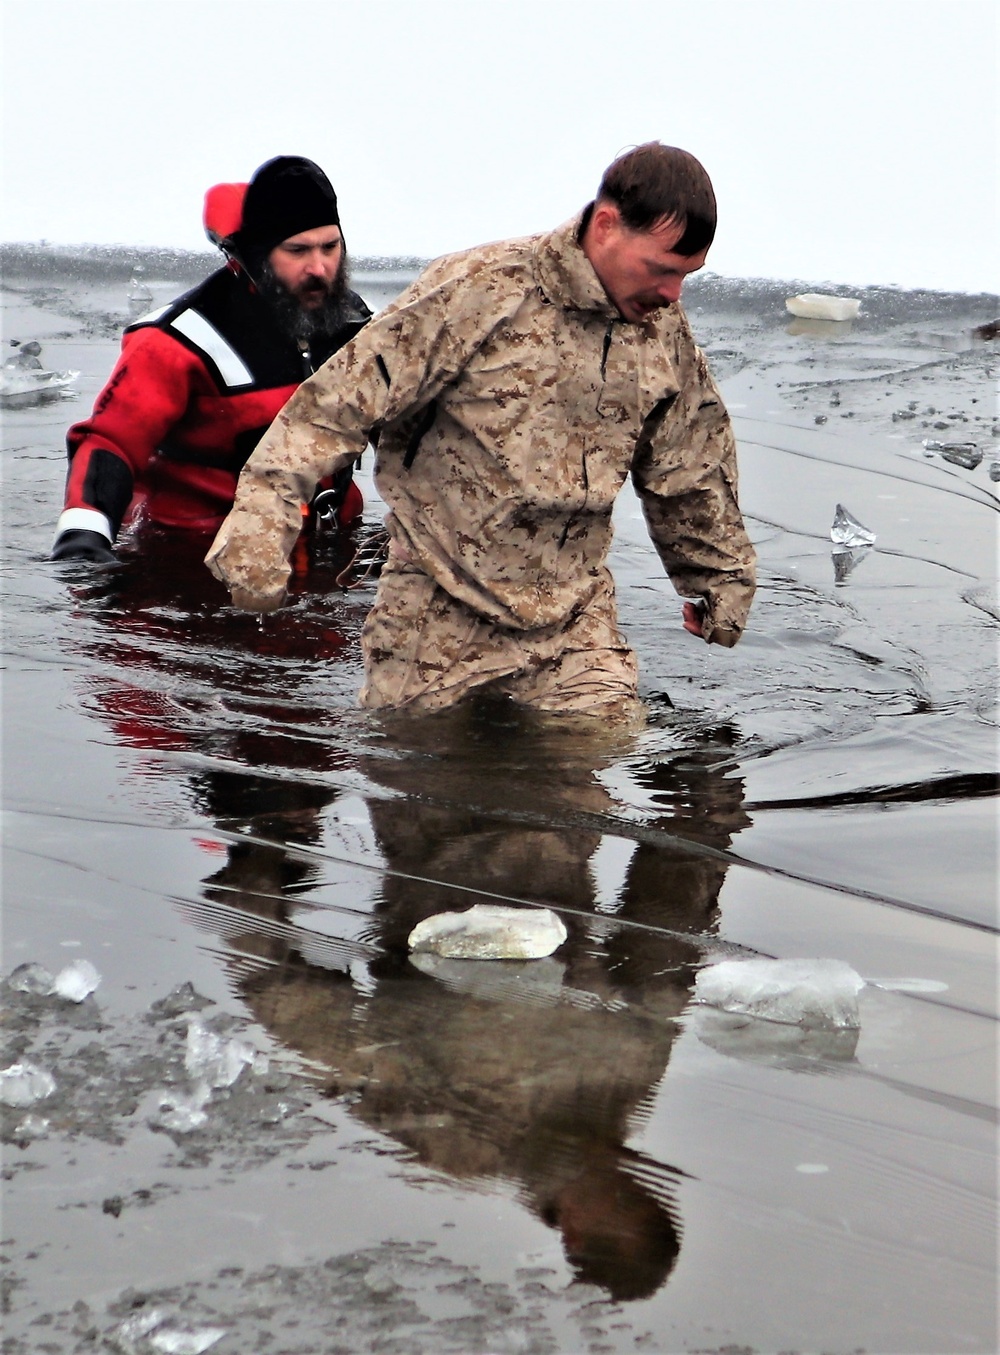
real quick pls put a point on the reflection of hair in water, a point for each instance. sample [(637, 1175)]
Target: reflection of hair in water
[(615, 1233)]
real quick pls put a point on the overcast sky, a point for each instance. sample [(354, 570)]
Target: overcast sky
[(851, 141)]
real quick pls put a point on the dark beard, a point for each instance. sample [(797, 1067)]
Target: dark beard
[(293, 319)]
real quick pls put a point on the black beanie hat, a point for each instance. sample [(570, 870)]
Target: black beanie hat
[(286, 195)]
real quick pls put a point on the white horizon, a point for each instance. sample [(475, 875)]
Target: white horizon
[(852, 141)]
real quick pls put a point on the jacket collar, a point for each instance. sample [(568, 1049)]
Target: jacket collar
[(566, 275)]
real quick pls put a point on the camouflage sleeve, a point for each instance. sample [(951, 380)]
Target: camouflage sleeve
[(397, 364), (686, 477)]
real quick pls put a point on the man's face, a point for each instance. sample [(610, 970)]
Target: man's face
[(308, 264), (638, 269)]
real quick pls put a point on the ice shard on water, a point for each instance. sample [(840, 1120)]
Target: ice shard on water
[(848, 532)]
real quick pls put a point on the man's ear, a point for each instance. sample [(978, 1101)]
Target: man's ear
[(605, 221)]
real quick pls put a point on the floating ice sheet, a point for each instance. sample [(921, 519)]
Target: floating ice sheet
[(817, 994), (490, 931), (848, 532)]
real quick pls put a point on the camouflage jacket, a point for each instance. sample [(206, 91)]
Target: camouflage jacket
[(511, 401)]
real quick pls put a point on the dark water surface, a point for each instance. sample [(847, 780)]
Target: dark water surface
[(565, 1155)]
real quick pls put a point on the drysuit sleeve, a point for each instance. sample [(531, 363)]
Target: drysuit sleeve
[(395, 366), (146, 395), (686, 476)]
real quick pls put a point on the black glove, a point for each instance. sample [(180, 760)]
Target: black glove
[(81, 545)]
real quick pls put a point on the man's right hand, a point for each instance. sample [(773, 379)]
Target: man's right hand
[(82, 545)]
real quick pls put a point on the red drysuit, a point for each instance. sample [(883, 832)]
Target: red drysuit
[(197, 384)]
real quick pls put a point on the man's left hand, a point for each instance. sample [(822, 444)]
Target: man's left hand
[(694, 614)]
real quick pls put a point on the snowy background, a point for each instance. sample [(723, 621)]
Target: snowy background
[(853, 141)]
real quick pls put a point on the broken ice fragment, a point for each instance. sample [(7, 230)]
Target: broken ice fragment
[(22, 1084), (488, 931), (848, 531), (817, 994), (135, 1328), (155, 1331), (172, 1341), (77, 981), (180, 1113), (815, 306), (32, 1127), (31, 978), (965, 454), (214, 1059), (180, 999)]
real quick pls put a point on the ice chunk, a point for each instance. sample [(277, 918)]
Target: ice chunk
[(490, 931), (77, 981), (214, 1059), (848, 531), (182, 998), (994, 471), (818, 994), (965, 454), (32, 1127), (173, 1341), (181, 1114), (815, 306), (22, 1084), (31, 978), (156, 1331), (132, 1331)]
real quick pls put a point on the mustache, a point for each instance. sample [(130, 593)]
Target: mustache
[(287, 308)]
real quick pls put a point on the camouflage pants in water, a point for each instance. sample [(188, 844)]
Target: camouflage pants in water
[(425, 651)]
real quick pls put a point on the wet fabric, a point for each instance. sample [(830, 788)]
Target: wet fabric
[(425, 650), (511, 402)]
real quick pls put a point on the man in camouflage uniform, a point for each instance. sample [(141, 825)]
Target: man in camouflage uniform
[(513, 387)]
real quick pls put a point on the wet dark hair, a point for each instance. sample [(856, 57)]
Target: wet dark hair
[(655, 183)]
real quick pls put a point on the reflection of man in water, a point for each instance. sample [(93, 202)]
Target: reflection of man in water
[(515, 387), (200, 380), (536, 1073)]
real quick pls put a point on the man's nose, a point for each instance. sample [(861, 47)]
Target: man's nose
[(670, 290)]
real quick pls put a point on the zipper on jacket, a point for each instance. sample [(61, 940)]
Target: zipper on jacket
[(608, 334)]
